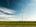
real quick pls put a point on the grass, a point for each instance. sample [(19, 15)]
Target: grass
[(14, 23)]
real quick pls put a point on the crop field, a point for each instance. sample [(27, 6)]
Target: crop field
[(17, 23)]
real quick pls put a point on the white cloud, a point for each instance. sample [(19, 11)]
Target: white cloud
[(8, 10), (5, 17)]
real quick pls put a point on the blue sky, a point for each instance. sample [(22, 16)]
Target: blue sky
[(22, 9)]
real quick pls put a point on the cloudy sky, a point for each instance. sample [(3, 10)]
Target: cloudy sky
[(30, 11), (10, 10), (18, 10)]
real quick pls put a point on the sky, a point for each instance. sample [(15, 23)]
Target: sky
[(10, 10), (18, 10), (29, 13)]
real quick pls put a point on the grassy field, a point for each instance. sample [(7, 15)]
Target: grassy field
[(18, 23)]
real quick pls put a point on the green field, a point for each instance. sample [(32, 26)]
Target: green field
[(18, 23)]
